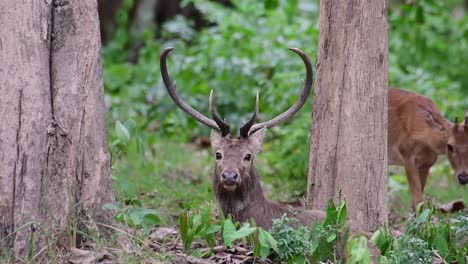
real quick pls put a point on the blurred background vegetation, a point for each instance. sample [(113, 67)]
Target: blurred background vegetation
[(159, 155)]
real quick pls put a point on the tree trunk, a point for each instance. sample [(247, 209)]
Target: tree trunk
[(54, 162), (349, 136)]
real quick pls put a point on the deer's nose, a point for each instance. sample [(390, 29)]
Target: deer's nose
[(230, 177), (463, 178)]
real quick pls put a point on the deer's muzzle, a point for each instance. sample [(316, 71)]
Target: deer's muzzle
[(230, 178), (463, 178)]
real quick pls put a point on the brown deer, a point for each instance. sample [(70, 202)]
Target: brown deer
[(236, 182), (418, 134)]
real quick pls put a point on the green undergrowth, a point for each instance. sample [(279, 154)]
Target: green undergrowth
[(427, 237)]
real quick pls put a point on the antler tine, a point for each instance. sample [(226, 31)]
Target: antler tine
[(171, 89), (455, 125), (245, 128), (465, 127), (224, 127), (306, 88)]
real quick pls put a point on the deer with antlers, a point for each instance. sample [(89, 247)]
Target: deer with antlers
[(236, 182)]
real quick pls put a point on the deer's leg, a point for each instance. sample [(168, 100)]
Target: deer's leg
[(424, 165), (414, 181), (423, 173)]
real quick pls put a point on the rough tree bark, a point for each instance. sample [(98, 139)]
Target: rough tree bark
[(349, 134), (54, 162)]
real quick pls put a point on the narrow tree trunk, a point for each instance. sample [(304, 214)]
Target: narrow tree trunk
[(349, 136), (54, 164)]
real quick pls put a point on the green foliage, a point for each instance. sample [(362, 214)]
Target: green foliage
[(199, 224), (422, 236), (299, 244), (292, 242), (132, 213), (293, 239), (263, 243), (409, 250), (230, 234)]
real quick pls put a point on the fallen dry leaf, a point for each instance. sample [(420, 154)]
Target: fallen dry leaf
[(80, 256), (160, 232), (452, 207)]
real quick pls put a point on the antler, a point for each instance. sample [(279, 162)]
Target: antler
[(245, 128), (217, 124), (466, 123), (225, 129), (298, 104), (455, 125)]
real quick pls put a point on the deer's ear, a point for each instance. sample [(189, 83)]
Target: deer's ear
[(215, 139), (257, 138)]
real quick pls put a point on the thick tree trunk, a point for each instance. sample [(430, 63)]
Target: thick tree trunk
[(349, 136), (54, 164)]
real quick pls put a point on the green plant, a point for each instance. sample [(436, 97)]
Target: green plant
[(293, 239), (201, 224), (263, 243), (422, 236), (297, 243), (132, 213), (198, 224), (409, 249)]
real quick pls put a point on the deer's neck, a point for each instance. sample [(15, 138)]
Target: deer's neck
[(246, 196)]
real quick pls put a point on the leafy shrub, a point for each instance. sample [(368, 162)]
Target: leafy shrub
[(409, 250), (299, 244), (292, 237), (421, 237)]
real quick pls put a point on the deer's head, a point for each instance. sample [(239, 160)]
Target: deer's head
[(457, 150), (235, 156)]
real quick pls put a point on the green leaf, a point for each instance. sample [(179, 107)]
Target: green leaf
[(122, 132), (342, 214), (151, 219), (331, 237), (266, 243), (242, 232), (212, 229), (441, 240), (184, 229), (271, 240), (120, 217), (134, 220), (382, 241), (228, 230), (332, 214)]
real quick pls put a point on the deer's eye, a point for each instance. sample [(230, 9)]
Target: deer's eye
[(247, 157), (450, 148), (218, 155)]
